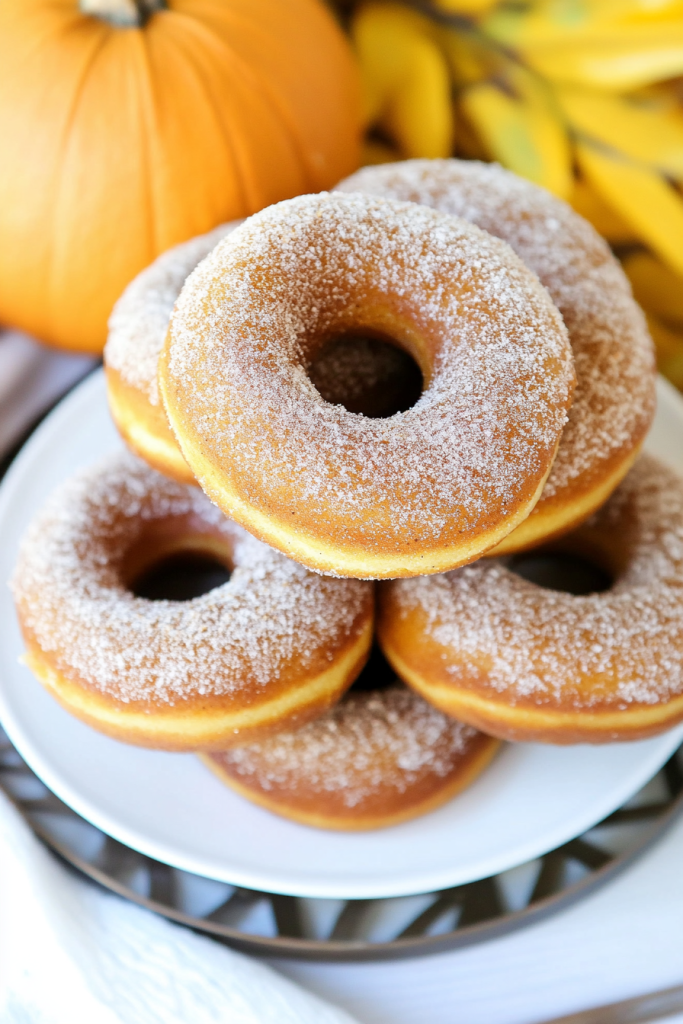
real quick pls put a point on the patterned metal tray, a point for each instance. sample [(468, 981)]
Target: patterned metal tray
[(284, 926)]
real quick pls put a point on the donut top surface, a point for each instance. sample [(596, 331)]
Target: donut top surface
[(72, 591), (538, 646), (139, 320), (259, 436), (386, 738), (613, 403)]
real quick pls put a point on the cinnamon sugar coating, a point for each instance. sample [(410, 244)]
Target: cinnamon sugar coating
[(375, 758), (227, 656), (137, 328), (526, 662), (613, 403), (426, 488), (139, 320)]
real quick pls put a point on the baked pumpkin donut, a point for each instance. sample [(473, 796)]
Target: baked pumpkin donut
[(137, 328), (377, 758), (614, 400), (527, 663), (420, 491), (274, 646)]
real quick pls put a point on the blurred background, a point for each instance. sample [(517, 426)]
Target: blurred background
[(131, 125), (584, 97)]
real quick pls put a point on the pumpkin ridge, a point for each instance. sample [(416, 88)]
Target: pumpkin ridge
[(53, 289), (151, 125), (51, 37), (198, 74), (234, 20), (241, 102), (268, 96)]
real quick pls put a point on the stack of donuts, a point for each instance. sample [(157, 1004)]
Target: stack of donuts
[(411, 380)]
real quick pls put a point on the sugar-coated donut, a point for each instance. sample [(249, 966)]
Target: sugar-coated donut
[(614, 400), (137, 328), (417, 492), (272, 647), (375, 759), (527, 663)]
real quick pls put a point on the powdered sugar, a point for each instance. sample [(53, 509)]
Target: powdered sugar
[(139, 320), (73, 600), (477, 442), (614, 398), (542, 646), (388, 739)]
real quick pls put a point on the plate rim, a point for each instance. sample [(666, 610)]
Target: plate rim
[(68, 408)]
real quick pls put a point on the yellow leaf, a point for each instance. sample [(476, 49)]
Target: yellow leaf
[(641, 197), (470, 58), (522, 136), (419, 114), (379, 32), (590, 204), (407, 84), (644, 132), (620, 59), (576, 22), (656, 287)]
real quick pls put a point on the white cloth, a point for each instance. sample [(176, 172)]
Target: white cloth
[(71, 953)]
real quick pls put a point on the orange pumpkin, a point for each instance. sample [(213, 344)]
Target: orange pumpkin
[(128, 129)]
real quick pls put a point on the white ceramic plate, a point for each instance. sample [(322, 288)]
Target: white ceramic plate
[(169, 806)]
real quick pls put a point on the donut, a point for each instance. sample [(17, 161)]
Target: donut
[(614, 400), (271, 648), (377, 758), (137, 328), (524, 662), (417, 492)]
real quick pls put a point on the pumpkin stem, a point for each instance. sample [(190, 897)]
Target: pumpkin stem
[(122, 13)]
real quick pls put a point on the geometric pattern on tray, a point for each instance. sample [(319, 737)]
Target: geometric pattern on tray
[(315, 929)]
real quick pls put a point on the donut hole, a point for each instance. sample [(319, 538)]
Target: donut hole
[(562, 570), (181, 576), (377, 673), (175, 560), (369, 375)]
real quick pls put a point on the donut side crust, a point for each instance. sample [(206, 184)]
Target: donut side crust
[(523, 723), (145, 429), (309, 809), (205, 726), (351, 561), (553, 517)]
